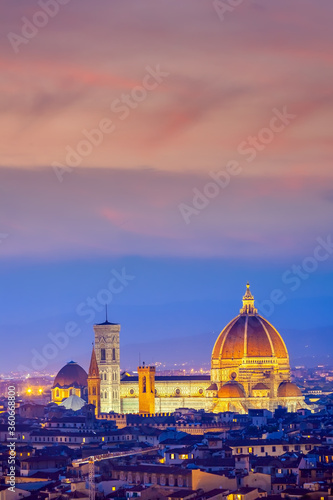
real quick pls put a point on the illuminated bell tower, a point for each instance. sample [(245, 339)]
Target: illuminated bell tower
[(146, 389), (94, 384), (108, 360)]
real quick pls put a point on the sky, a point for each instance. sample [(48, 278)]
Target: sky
[(178, 149)]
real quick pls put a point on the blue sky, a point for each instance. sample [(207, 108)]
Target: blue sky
[(189, 151)]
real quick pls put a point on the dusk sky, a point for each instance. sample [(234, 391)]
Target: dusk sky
[(177, 148)]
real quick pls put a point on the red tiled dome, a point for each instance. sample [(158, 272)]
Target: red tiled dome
[(249, 335), (288, 390), (231, 389)]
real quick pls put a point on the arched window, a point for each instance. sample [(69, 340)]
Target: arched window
[(94, 390), (105, 377), (106, 395), (57, 393), (144, 384), (113, 354)]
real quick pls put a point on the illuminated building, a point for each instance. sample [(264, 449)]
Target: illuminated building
[(94, 384), (70, 380), (249, 369), (146, 375)]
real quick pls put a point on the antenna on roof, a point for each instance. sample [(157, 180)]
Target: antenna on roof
[(106, 313)]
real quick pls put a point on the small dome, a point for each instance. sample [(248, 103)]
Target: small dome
[(73, 402), (288, 390), (231, 389), (70, 375), (260, 387)]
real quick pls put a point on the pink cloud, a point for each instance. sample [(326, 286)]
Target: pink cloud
[(101, 212)]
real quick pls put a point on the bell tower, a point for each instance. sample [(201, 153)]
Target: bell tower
[(146, 389), (108, 361), (94, 384)]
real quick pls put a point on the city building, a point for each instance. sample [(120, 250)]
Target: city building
[(249, 370)]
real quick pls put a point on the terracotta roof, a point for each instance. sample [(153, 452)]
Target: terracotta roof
[(93, 368), (157, 469), (249, 335), (231, 389), (181, 493), (260, 387), (288, 389)]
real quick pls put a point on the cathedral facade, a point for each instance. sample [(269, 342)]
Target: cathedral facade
[(249, 369)]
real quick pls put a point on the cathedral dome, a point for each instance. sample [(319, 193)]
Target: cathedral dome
[(231, 389), (249, 335), (288, 390), (71, 375)]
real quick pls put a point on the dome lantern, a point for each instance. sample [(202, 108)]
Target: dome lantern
[(248, 302)]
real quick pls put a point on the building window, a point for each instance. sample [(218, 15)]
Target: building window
[(285, 448), (250, 450), (273, 448), (106, 395), (144, 384), (103, 355), (239, 450), (113, 354), (177, 392), (262, 449), (94, 391), (200, 391), (131, 391)]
